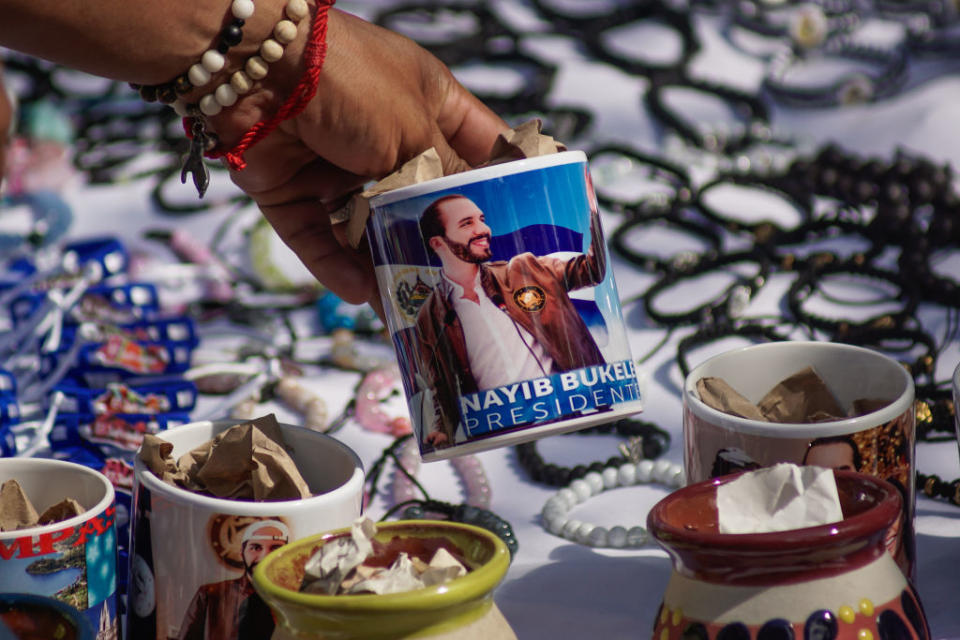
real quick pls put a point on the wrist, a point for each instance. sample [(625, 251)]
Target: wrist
[(265, 94)]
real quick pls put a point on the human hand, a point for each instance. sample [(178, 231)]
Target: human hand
[(381, 100)]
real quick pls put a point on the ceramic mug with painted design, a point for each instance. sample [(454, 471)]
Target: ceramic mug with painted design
[(503, 310), (74, 560), (880, 442), (192, 556)]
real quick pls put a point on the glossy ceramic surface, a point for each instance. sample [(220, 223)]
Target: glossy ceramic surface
[(188, 547), (880, 443), (75, 560), (429, 612), (31, 617), (826, 582)]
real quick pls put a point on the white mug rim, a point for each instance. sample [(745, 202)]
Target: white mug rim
[(249, 507), (806, 430), (102, 505), (478, 175)]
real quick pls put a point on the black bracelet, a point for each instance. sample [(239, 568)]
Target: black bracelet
[(851, 88), (730, 302), (705, 235), (797, 249), (808, 281), (674, 177), (893, 339), (578, 23), (646, 441), (761, 230), (431, 509), (750, 329), (679, 21), (936, 413), (750, 108), (536, 83), (454, 34), (933, 487), (915, 261)]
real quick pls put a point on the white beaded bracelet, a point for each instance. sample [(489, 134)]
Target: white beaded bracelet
[(554, 518), (255, 68)]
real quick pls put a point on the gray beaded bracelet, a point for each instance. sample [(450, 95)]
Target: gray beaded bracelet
[(554, 518)]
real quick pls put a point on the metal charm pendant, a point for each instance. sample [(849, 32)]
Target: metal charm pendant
[(193, 160)]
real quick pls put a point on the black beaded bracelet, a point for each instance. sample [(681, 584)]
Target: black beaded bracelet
[(707, 236), (432, 509), (801, 202), (210, 62), (532, 93), (679, 21), (810, 280), (851, 88), (933, 487), (645, 441), (674, 177), (753, 330), (728, 304), (936, 414), (453, 33), (898, 340), (747, 107)]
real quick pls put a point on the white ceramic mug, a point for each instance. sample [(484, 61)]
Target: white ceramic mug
[(502, 307), (880, 443), (192, 555), (75, 560)]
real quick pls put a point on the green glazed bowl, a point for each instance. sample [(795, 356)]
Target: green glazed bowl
[(422, 613)]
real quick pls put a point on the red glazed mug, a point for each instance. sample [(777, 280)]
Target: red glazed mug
[(830, 582)]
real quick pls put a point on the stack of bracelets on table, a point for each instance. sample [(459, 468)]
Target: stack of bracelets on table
[(645, 440)]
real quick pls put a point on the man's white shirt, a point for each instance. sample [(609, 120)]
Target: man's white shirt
[(500, 351)]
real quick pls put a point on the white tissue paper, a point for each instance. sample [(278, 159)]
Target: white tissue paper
[(778, 498)]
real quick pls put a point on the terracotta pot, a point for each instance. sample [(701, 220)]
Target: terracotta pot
[(818, 583)]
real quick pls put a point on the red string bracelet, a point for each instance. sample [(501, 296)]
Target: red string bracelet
[(314, 55)]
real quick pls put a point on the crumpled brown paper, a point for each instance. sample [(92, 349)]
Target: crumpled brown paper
[(18, 512), (63, 510), (524, 141), (248, 461), (338, 567), (800, 398)]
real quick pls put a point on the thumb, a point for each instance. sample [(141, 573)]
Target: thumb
[(449, 159)]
